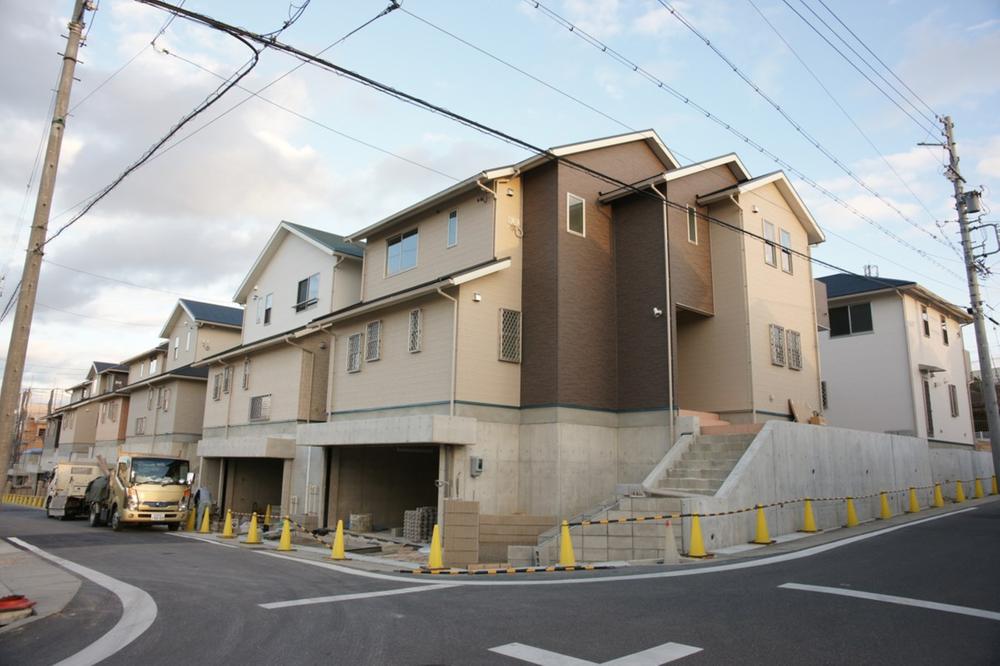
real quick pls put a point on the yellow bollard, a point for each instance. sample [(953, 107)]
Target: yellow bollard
[(227, 527), (337, 551), (697, 548), (852, 514), (959, 492), (253, 536), (809, 520), (435, 560), (191, 519), (884, 512), (938, 496), (978, 490), (994, 490), (267, 515), (285, 543), (567, 558), (206, 525), (914, 504), (762, 538)]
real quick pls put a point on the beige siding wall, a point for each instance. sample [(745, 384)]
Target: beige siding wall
[(110, 420), (214, 339), (713, 362), (434, 257), (184, 413), (775, 297), (181, 348), (139, 370), (347, 283), (275, 371), (83, 427), (398, 377)]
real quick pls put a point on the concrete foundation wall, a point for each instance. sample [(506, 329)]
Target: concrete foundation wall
[(951, 464)]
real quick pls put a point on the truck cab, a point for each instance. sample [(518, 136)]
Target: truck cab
[(142, 489)]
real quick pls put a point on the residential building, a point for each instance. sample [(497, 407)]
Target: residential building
[(166, 393), (276, 378), (92, 422), (894, 360), (526, 337)]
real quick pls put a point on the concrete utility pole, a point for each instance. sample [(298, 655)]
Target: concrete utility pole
[(979, 317), (25, 308)]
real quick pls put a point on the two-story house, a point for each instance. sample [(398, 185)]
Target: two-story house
[(276, 378), (527, 337), (894, 360), (166, 394), (92, 422)]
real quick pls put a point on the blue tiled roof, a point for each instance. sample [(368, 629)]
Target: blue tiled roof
[(329, 240), (845, 284), (214, 314)]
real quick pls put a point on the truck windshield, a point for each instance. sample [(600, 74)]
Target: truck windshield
[(159, 470)]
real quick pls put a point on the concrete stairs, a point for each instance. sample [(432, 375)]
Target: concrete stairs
[(706, 464)]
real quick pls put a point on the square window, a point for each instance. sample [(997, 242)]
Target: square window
[(401, 252), (453, 228), (260, 408), (576, 217), (307, 293)]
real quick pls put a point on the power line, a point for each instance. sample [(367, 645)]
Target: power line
[(83, 316), (795, 123), (468, 122), (127, 283)]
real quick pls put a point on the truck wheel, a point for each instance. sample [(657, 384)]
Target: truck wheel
[(95, 516), (173, 527), (116, 519)]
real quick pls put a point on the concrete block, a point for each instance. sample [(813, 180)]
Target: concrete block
[(595, 554), (620, 554), (588, 542), (620, 542), (647, 554)]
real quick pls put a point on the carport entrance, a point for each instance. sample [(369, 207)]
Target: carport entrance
[(384, 481), (250, 484)]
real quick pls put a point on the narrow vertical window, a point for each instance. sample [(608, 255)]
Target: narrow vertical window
[(177, 347), (926, 321), (510, 336), (267, 308), (166, 399), (373, 346), (149, 400), (453, 228), (187, 341), (786, 251), (824, 395), (576, 217), (692, 222), (246, 374), (770, 251), (944, 329), (794, 339), (142, 369), (415, 336), (227, 378), (152, 367), (354, 353), (777, 335), (217, 386), (953, 399), (260, 308)]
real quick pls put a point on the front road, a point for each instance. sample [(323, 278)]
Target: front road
[(208, 605)]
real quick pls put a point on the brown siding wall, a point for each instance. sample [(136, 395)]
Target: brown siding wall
[(642, 341)]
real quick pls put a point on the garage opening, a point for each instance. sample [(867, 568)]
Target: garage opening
[(250, 484), (384, 481)]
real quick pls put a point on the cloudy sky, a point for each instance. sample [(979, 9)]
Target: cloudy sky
[(326, 152)]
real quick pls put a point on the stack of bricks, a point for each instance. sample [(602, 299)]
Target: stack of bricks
[(418, 524)]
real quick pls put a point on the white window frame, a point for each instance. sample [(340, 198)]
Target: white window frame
[(140, 425), (373, 341), (501, 356), (260, 309), (177, 347), (453, 228), (246, 374), (770, 244), (217, 386), (263, 403), (953, 399), (166, 399), (776, 341), (152, 367), (692, 225), (268, 303), (149, 399), (142, 369), (354, 352), (311, 295), (400, 238), (227, 379), (786, 251), (944, 331), (794, 349), (187, 341), (570, 200), (925, 318), (415, 331)]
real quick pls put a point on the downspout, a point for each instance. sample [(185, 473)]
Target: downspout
[(746, 301), (454, 349), (229, 398), (669, 308)]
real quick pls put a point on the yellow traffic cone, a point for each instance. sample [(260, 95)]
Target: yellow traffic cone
[(189, 525), (267, 515), (994, 490), (697, 547), (809, 520), (567, 558), (227, 527), (959, 492), (762, 538), (285, 543), (884, 513), (435, 560), (914, 504), (938, 496), (206, 527), (977, 491), (253, 536), (852, 514), (337, 551)]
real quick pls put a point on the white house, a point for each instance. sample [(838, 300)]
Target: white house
[(893, 360)]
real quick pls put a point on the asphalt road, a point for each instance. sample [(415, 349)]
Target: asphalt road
[(207, 602)]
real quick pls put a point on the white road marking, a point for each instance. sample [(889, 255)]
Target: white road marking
[(661, 654), (138, 611), (902, 601), (203, 539), (352, 597), (362, 573)]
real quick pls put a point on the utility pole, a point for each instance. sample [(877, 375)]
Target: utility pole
[(979, 317), (17, 351)]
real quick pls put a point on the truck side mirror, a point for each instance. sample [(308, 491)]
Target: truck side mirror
[(190, 478), (131, 476)]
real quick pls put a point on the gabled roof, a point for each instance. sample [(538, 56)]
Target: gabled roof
[(324, 241), (730, 160), (183, 372), (778, 178), (651, 138), (100, 367), (204, 313), (145, 354), (844, 285)]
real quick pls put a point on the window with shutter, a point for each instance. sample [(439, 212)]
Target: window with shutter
[(510, 336), (414, 338), (777, 344), (794, 350), (373, 345), (217, 386), (354, 353), (260, 408)]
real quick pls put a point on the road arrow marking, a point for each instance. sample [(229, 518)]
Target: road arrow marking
[(661, 654)]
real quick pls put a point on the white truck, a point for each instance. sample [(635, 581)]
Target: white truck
[(64, 497)]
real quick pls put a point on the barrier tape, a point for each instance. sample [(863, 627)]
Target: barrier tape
[(504, 570)]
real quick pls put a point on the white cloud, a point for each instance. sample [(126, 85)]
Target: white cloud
[(600, 18)]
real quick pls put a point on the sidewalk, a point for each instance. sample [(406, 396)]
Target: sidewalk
[(49, 586)]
